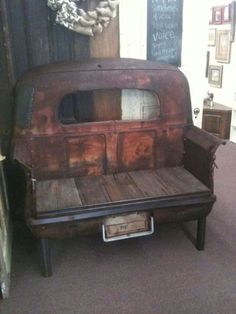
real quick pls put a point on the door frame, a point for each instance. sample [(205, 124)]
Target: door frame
[(5, 235)]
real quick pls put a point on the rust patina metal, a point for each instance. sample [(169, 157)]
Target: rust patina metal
[(49, 150)]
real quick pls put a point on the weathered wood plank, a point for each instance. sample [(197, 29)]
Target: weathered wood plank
[(81, 47), (84, 107), (139, 104), (5, 89), (68, 195), (36, 23), (128, 186), (171, 181), (181, 180), (37, 39), (121, 187), (61, 40), (57, 194), (18, 36), (81, 42), (147, 182), (106, 44), (91, 190), (107, 105), (7, 78), (46, 195)]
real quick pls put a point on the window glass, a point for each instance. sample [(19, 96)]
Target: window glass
[(134, 104)]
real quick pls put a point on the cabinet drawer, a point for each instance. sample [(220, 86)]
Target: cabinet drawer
[(212, 123), (217, 121)]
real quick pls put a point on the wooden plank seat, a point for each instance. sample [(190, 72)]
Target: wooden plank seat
[(90, 196)]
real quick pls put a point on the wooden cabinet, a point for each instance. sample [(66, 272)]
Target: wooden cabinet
[(233, 126), (217, 120)]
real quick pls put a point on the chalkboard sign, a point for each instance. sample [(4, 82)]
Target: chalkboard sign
[(164, 39)]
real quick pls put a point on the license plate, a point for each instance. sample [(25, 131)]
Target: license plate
[(127, 226)]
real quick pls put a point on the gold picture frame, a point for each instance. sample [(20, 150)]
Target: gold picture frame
[(215, 75), (217, 15), (223, 46), (211, 16), (226, 14)]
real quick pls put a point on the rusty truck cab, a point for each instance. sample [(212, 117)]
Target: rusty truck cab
[(82, 172)]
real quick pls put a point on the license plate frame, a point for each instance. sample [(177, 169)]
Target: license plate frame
[(133, 221)]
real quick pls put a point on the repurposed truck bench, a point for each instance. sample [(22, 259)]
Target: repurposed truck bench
[(116, 176)]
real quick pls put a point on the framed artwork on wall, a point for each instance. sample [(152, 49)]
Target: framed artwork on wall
[(232, 20), (217, 15), (207, 63), (223, 46), (215, 74), (211, 16), (211, 37), (226, 13)]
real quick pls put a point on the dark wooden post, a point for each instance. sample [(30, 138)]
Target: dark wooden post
[(106, 45), (201, 231), (45, 253)]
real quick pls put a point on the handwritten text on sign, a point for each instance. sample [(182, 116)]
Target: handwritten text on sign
[(165, 31)]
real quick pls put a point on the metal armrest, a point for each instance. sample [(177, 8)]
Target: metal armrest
[(199, 158), (202, 138)]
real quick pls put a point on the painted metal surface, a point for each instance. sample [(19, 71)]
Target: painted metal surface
[(96, 148), (50, 150)]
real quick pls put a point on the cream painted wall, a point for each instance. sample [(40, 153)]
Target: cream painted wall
[(133, 29), (194, 43), (227, 94), (194, 48)]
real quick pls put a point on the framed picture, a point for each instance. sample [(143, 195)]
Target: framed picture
[(215, 75), (223, 46), (211, 16), (212, 37), (232, 20), (207, 63), (226, 12), (217, 15)]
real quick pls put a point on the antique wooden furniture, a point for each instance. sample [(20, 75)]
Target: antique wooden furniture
[(82, 175), (217, 120)]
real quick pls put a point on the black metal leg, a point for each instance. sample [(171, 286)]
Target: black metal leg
[(201, 231), (45, 253)]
